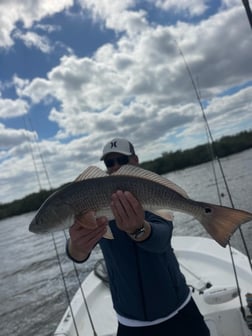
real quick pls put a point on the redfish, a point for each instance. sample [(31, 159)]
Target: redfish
[(92, 190)]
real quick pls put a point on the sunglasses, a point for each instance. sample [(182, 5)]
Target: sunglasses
[(121, 160)]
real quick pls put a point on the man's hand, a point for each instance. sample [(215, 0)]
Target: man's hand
[(86, 231), (128, 211)]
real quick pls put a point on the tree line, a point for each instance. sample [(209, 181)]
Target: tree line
[(228, 145), (169, 161)]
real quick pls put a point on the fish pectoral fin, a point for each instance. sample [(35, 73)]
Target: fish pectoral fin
[(135, 171), (91, 172), (166, 214), (108, 234)]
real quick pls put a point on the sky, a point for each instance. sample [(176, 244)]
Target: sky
[(76, 74)]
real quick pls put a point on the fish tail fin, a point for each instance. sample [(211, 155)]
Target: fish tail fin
[(221, 222)]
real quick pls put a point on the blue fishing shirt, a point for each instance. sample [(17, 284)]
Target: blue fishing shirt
[(145, 279)]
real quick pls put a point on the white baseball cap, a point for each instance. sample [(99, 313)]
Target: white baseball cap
[(118, 145)]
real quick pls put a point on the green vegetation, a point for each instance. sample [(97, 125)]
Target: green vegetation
[(168, 162), (172, 161), (29, 203)]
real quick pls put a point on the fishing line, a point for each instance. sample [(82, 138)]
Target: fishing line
[(211, 143), (213, 151), (40, 153), (207, 284), (64, 283), (237, 281), (210, 149), (34, 140), (82, 293), (33, 156)]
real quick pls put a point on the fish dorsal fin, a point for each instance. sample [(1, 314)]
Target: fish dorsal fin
[(91, 172), (130, 170)]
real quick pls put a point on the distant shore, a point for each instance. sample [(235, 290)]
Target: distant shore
[(168, 162)]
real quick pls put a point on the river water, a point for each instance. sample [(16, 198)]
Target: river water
[(32, 294)]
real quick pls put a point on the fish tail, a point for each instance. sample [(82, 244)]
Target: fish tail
[(221, 222)]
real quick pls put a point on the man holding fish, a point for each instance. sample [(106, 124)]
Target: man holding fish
[(149, 293)]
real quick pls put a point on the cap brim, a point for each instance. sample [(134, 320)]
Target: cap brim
[(114, 151)]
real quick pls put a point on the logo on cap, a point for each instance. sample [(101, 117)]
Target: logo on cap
[(113, 144)]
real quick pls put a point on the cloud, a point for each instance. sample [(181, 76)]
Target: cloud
[(136, 86), (10, 108), (234, 107), (106, 12), (49, 28), (192, 8), (32, 39), (137, 78), (10, 138), (36, 90), (26, 12)]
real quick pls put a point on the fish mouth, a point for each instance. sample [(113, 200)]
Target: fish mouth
[(33, 226), (34, 229)]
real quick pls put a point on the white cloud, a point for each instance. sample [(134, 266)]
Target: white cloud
[(136, 87), (49, 28), (142, 79), (21, 172), (27, 12), (193, 7), (104, 9), (230, 3), (32, 39), (36, 90), (10, 108), (22, 163), (10, 138), (231, 111), (108, 13)]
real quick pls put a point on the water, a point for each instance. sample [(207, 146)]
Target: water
[(32, 294)]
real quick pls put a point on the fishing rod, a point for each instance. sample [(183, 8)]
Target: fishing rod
[(32, 155), (210, 137), (34, 140), (212, 146), (39, 153), (248, 11), (83, 297), (64, 283)]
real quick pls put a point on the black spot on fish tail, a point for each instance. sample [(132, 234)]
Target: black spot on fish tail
[(208, 210)]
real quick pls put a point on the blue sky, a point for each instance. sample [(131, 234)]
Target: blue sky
[(75, 74)]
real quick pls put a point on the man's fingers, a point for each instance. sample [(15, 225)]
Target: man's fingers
[(88, 238), (128, 211), (134, 203), (126, 204), (122, 205)]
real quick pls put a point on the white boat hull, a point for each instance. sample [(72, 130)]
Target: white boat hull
[(203, 262)]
